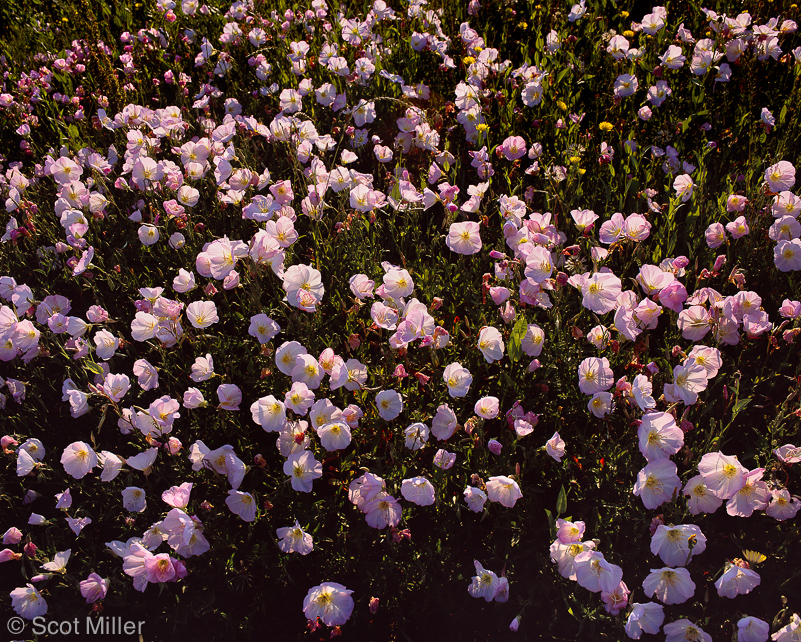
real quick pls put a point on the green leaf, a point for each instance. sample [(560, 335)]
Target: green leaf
[(515, 340), (740, 406), (91, 366), (561, 501), (551, 522)]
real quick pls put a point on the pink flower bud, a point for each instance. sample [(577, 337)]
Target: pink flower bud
[(681, 262), (173, 446), (532, 418), (7, 555), (12, 536), (6, 441), (423, 379), (494, 446), (30, 549), (656, 522), (373, 605)]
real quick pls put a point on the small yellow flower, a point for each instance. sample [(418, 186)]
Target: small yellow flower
[(468, 60), (523, 25), (479, 49), (624, 14), (482, 127), (561, 105), (65, 20), (575, 160), (538, 7), (754, 557), (582, 171), (606, 126), (628, 33)]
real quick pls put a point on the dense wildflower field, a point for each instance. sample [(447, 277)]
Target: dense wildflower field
[(400, 320)]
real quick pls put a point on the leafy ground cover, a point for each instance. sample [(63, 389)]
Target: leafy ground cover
[(401, 321)]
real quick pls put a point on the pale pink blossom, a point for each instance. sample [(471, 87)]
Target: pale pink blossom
[(723, 475), (600, 292), (752, 629), (382, 510), (28, 602), (475, 498), (595, 375), (595, 574), (484, 584), (389, 404), (503, 490), (657, 483), (754, 495), (293, 539), (682, 630), (418, 490), (463, 238), (331, 602), (458, 379), (202, 314), (94, 588), (659, 436), (242, 504), (783, 506), (555, 447), (780, 177), (669, 585), (684, 186), (303, 469), (78, 459), (672, 543)]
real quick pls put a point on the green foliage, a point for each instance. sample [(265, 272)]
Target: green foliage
[(749, 408)]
